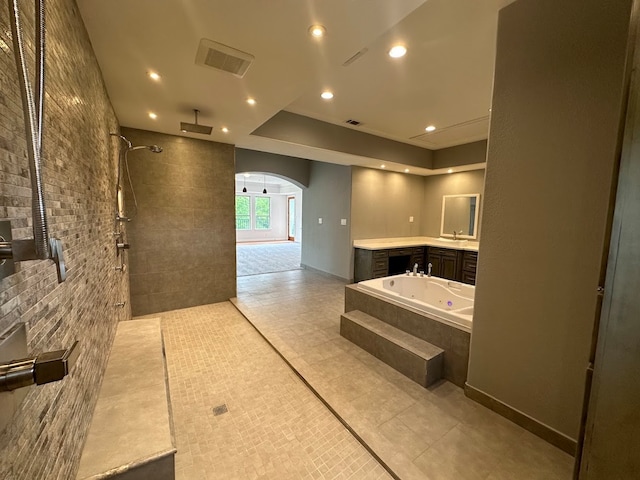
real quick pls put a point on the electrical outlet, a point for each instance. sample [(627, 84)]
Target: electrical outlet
[(410, 219), (320, 221), (343, 221)]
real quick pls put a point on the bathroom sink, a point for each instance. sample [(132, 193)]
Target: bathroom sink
[(451, 240)]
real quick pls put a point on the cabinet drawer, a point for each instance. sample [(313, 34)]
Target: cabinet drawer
[(469, 261), (397, 252), (380, 273), (445, 252), (382, 264), (380, 254)]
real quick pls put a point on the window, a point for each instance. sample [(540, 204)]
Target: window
[(263, 213), (243, 212)]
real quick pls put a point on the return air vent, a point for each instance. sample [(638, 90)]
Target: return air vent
[(355, 57), (355, 123), (222, 57)]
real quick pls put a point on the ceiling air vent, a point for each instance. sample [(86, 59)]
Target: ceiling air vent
[(353, 122), (223, 57)]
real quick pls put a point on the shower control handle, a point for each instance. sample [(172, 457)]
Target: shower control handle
[(121, 268), (45, 368), (123, 246)]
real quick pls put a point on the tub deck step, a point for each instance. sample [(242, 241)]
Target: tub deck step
[(418, 360)]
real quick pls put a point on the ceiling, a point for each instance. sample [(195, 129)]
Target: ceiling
[(445, 79)]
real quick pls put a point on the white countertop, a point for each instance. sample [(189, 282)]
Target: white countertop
[(400, 242)]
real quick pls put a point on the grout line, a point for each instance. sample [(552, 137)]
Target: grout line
[(326, 404)]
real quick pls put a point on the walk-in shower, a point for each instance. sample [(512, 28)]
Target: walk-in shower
[(123, 166)]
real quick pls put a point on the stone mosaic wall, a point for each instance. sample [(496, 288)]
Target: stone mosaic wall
[(183, 238), (46, 436)]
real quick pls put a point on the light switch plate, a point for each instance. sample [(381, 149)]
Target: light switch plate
[(343, 221), (320, 221), (410, 219)]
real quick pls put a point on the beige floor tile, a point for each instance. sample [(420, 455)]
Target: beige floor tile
[(456, 437), (274, 427)]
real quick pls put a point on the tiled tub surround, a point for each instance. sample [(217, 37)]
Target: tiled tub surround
[(453, 340), (45, 437)]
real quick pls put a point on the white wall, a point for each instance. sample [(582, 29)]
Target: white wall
[(278, 195)]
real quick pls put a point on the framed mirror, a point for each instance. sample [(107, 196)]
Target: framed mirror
[(460, 216)]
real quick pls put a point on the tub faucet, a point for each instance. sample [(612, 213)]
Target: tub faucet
[(429, 267), (415, 269)]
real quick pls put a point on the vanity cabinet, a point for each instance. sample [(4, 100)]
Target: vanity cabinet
[(469, 265), (445, 262), (382, 263)]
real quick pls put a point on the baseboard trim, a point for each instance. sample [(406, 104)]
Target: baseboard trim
[(325, 274), (543, 431)]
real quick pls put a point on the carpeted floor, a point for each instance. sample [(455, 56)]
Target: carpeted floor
[(258, 258)]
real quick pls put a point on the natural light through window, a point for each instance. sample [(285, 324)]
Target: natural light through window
[(243, 212), (263, 213)]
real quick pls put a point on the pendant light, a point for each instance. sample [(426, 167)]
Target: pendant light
[(264, 184), (244, 179)]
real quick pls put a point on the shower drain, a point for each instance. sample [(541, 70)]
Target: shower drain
[(220, 409)]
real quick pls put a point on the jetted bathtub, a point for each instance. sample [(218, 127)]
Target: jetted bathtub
[(444, 300)]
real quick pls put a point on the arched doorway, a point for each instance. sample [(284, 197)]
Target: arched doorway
[(268, 219)]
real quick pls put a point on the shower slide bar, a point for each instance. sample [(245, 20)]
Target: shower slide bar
[(41, 246)]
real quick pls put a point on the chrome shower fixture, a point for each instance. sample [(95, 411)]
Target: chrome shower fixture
[(153, 148), (195, 127)]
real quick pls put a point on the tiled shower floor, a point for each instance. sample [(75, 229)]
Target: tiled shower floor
[(239, 412), (276, 428)]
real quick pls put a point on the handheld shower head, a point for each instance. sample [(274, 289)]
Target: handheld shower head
[(153, 148)]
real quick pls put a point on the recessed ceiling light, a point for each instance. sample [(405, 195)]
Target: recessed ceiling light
[(251, 101), (398, 51), (383, 166), (406, 170), (317, 31), (154, 76), (327, 95), (450, 170), (430, 128), (225, 129), (152, 115)]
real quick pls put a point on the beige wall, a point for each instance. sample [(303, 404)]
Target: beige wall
[(44, 439), (326, 247), (553, 148), (183, 236), (382, 203), (435, 187)]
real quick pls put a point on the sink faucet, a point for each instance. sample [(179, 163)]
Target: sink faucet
[(455, 234), (415, 270), (429, 267)]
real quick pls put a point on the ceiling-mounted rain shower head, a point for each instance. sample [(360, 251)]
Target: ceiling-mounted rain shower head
[(195, 127)]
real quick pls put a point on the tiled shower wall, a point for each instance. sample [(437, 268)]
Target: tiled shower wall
[(47, 433), (182, 234)]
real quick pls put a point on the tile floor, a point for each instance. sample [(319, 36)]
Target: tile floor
[(425, 434), (274, 427)]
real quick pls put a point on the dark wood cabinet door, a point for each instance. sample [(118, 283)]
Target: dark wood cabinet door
[(449, 268)]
